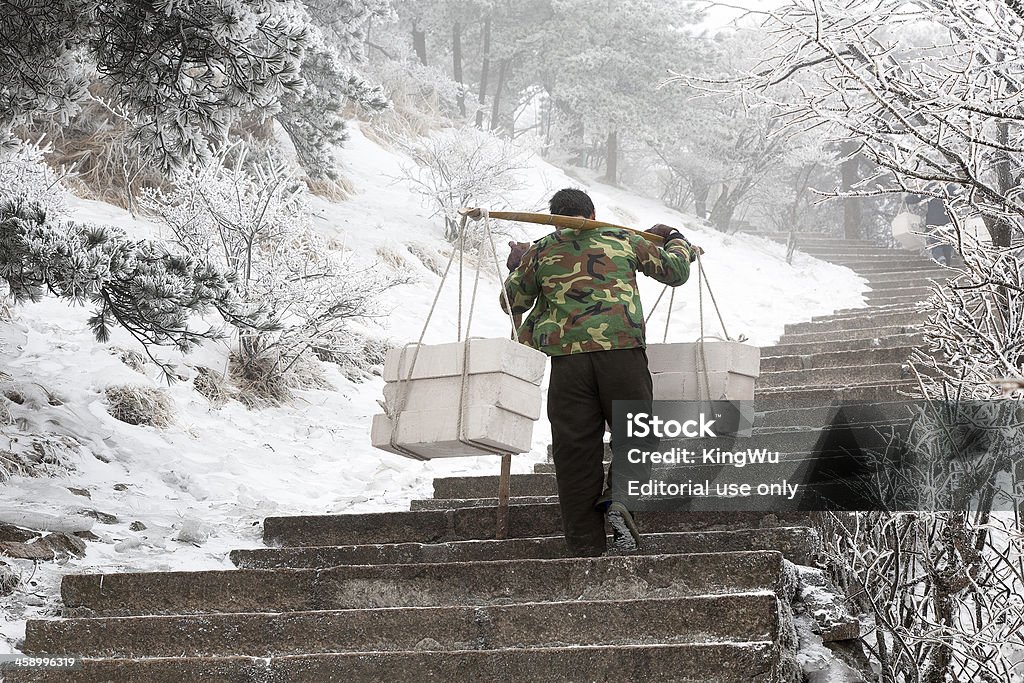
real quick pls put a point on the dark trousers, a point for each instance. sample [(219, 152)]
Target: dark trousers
[(580, 395)]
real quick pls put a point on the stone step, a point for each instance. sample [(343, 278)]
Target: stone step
[(798, 544), (538, 483), (792, 465), (808, 417), (827, 347), (917, 278), (860, 322), (754, 617), (485, 487), (453, 503), (798, 449), (870, 310), (425, 585), (853, 251), (914, 296), (862, 357), (831, 376), (890, 258), (822, 249), (803, 397), (845, 335), (922, 291), (867, 267), (786, 440), (688, 663), (433, 526)]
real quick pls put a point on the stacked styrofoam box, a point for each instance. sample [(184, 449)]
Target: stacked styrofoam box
[(732, 368), (503, 398)]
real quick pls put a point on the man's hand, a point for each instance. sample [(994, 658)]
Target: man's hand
[(515, 256), (663, 231), (667, 232)]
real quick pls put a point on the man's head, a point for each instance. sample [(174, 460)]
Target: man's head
[(571, 202)]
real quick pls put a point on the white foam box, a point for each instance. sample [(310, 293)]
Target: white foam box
[(906, 229), (691, 386), (496, 389), (435, 433), (504, 356), (722, 356)]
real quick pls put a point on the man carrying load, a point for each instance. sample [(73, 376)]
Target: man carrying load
[(586, 314)]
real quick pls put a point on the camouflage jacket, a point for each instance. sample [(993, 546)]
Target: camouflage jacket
[(581, 285)]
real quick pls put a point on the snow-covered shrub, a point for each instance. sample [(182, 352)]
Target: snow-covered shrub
[(140, 405), (463, 167), (255, 223), (973, 334), (944, 591), (358, 355), (391, 258), (212, 385), (130, 357), (25, 175), (37, 454), (136, 284), (432, 259)]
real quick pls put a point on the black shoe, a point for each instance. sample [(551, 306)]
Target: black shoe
[(625, 535)]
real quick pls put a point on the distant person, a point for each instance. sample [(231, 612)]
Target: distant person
[(936, 217), (586, 314)]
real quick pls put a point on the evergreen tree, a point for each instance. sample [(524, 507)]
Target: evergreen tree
[(137, 284), (182, 72)]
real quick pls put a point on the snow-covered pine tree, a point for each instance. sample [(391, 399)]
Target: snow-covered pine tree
[(182, 72), (136, 284), (314, 118), (729, 155), (39, 73)]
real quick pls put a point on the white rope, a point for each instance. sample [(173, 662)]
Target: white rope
[(701, 358), (703, 277), (462, 253), (650, 314), (497, 270), (668, 318), (395, 412), (701, 281), (466, 345)]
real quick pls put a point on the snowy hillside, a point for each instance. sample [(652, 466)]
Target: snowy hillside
[(200, 487)]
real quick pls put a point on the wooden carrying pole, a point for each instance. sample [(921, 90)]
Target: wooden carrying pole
[(504, 481), (501, 529), (572, 222)]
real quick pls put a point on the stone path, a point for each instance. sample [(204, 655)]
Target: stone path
[(427, 594)]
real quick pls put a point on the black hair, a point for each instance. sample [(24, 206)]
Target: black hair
[(572, 202)]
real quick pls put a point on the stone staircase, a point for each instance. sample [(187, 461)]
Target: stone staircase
[(428, 594)]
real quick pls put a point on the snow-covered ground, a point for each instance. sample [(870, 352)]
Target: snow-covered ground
[(220, 471)]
